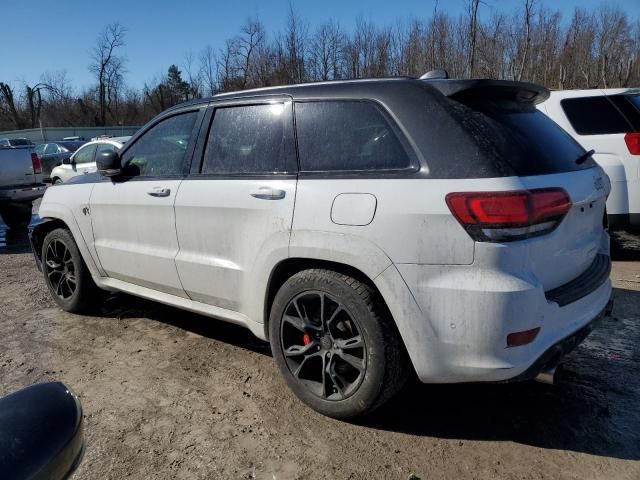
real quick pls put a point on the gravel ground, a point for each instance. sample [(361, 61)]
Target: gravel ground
[(169, 394)]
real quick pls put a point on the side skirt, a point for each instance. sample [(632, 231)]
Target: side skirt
[(184, 303)]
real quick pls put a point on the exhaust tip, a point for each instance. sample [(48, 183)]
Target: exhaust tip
[(546, 376)]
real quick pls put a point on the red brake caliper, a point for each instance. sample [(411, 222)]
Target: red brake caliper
[(306, 339)]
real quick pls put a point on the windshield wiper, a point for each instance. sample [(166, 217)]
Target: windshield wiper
[(583, 158)]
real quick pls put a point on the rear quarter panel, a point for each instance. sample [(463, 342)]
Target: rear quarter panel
[(411, 222)]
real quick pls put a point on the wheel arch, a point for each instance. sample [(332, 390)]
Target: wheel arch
[(290, 266), (40, 231), (58, 215)]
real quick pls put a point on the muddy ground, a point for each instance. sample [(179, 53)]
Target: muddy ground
[(168, 394)]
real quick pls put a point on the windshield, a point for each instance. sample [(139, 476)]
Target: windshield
[(71, 146)]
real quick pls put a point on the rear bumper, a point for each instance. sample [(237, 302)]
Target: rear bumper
[(554, 354), (22, 193), (457, 329)]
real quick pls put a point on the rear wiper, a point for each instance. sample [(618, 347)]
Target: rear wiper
[(583, 158)]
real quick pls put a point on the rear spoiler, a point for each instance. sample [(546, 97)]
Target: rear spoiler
[(466, 91)]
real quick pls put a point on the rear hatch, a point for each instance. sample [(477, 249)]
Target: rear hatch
[(546, 159), (17, 166), (610, 125)]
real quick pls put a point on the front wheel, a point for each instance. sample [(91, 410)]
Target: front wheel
[(66, 274), (335, 343), (16, 216)]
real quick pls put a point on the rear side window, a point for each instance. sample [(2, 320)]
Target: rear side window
[(348, 136), (594, 116), (250, 139)]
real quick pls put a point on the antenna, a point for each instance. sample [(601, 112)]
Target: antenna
[(439, 74)]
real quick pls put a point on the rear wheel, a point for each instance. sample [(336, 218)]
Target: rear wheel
[(335, 343), (66, 274), (57, 181), (16, 216)]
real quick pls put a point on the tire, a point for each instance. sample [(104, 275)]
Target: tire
[(62, 262), (16, 216), (356, 323), (56, 181)]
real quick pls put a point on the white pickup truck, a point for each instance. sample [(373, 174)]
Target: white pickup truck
[(20, 184)]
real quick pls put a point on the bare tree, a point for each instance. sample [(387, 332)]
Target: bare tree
[(194, 75), (34, 100), (526, 41), (295, 37), (9, 102), (209, 69), (326, 47), (472, 13), (106, 64), (251, 37), (613, 45), (598, 47)]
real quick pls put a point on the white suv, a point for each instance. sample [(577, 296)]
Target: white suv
[(83, 160), (608, 122), (368, 229)]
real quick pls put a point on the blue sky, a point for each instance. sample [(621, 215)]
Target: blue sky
[(43, 35)]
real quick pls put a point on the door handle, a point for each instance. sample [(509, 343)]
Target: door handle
[(268, 193), (159, 192)]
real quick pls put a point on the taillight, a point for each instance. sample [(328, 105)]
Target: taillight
[(509, 216), (35, 161), (633, 143)]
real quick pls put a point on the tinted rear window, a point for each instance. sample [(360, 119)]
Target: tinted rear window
[(516, 138), (629, 106), (19, 142), (594, 116), (635, 99), (536, 145), (348, 136)]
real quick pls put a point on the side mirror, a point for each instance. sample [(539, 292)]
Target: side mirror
[(40, 432), (108, 164), (66, 161)]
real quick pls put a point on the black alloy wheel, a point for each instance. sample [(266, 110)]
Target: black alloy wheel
[(60, 269), (323, 346)]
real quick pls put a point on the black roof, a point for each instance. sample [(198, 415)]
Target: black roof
[(437, 117), (372, 87)]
